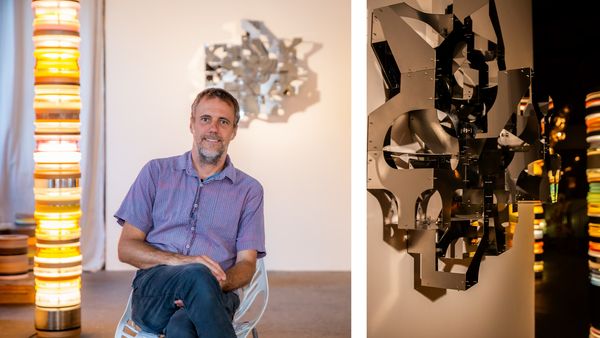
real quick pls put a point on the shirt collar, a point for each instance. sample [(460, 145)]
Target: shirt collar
[(184, 162)]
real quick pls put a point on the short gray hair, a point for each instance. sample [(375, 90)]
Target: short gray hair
[(221, 94)]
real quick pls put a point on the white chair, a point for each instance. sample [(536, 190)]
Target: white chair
[(244, 319)]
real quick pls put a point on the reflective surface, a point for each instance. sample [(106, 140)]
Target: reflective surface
[(260, 72), (448, 151)]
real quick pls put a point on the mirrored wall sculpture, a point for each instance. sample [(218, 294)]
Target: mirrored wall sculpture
[(57, 192), (452, 149), (260, 72)]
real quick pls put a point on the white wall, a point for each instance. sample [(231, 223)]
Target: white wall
[(154, 62), (502, 303)]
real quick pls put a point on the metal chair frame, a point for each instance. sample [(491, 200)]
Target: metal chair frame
[(248, 294)]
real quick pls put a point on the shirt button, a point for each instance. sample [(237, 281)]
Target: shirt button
[(187, 246), (193, 228), (195, 205)]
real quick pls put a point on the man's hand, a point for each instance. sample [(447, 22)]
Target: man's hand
[(213, 266)]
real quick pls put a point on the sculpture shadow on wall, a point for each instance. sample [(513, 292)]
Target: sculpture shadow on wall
[(431, 293)]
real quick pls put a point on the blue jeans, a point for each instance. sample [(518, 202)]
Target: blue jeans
[(207, 310)]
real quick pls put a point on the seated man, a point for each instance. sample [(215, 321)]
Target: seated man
[(194, 226)]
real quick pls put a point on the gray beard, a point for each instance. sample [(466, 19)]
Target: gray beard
[(209, 157)]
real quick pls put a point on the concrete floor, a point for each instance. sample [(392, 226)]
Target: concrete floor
[(301, 304)]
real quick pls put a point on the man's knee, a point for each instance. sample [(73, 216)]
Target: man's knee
[(196, 277)]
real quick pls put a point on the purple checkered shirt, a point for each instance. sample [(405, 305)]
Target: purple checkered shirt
[(180, 213)]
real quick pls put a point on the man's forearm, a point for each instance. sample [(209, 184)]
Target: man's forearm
[(238, 275), (143, 255)]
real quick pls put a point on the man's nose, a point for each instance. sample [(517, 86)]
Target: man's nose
[(214, 125)]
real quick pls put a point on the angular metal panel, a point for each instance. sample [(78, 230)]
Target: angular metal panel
[(513, 85), (399, 35)]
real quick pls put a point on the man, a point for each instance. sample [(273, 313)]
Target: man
[(194, 226)]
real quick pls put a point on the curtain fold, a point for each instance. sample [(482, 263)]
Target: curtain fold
[(16, 110), (92, 148), (17, 117)]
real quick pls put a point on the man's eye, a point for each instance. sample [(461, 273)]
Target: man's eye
[(204, 119), (225, 122)]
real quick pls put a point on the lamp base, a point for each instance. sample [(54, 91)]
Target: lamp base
[(71, 333), (58, 322)]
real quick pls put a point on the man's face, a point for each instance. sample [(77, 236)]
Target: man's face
[(212, 126)]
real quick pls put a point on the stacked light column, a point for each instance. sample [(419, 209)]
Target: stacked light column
[(592, 121), (57, 263), (539, 227)]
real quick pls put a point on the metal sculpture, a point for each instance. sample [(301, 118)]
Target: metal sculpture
[(260, 72), (449, 150)]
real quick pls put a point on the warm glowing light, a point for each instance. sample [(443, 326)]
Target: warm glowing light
[(538, 248), (57, 103), (58, 156), (539, 227), (523, 105), (535, 168), (58, 294), (538, 209), (592, 121)]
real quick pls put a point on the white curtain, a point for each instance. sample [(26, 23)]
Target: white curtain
[(16, 109), (91, 62), (17, 116)]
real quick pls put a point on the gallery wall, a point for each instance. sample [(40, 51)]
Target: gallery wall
[(502, 303), (154, 68)]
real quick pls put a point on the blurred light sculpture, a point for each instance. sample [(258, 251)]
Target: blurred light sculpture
[(539, 227), (592, 121), (260, 72), (57, 262)]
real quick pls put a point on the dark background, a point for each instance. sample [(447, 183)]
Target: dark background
[(567, 67)]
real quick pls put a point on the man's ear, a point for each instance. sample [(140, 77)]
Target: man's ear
[(191, 124), (234, 132)]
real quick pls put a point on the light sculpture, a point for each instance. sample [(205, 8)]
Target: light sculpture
[(539, 227), (592, 121), (57, 262)]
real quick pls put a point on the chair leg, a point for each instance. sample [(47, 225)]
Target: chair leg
[(254, 332)]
